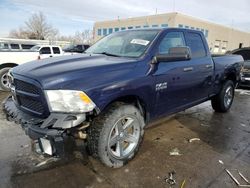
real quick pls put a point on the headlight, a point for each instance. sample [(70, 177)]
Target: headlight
[(69, 101)]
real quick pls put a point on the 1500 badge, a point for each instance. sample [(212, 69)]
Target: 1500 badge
[(161, 86)]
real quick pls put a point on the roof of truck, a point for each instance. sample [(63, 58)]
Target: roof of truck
[(162, 29)]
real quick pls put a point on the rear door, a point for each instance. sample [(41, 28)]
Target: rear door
[(56, 51), (45, 52), (202, 66)]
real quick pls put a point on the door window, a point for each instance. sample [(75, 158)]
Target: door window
[(45, 50), (15, 46), (56, 50), (195, 43), (172, 39), (26, 46), (4, 46)]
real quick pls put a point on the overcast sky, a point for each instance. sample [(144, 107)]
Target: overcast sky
[(77, 15)]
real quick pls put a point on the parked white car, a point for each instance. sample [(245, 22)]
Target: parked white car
[(10, 59)]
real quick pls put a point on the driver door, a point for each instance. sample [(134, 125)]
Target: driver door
[(172, 78)]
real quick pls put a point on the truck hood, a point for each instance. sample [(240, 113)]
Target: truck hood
[(76, 71)]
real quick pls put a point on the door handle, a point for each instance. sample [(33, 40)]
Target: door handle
[(187, 69), (209, 66)]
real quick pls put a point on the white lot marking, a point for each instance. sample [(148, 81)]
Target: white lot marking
[(243, 92)]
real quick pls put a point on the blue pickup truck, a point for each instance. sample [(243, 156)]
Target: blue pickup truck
[(106, 96)]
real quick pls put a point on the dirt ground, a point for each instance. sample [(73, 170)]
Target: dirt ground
[(224, 144)]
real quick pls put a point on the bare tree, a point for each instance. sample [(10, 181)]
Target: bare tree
[(80, 37), (36, 27), (19, 33), (85, 36)]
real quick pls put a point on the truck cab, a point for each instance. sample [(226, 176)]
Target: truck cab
[(47, 51)]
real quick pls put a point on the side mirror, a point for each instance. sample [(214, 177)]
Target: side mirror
[(174, 54)]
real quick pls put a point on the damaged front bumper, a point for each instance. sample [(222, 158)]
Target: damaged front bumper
[(51, 133)]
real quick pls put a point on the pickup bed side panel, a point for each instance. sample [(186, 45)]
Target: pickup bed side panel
[(227, 66)]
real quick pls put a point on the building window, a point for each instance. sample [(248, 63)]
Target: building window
[(198, 29), (116, 29), (192, 28), (123, 28), (110, 30), (130, 27), (164, 25), (202, 30), (187, 27), (99, 32), (145, 26), (104, 31), (137, 27), (155, 25), (224, 46), (206, 33), (180, 26), (217, 46)]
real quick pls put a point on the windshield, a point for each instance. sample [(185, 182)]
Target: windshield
[(35, 48), (124, 44)]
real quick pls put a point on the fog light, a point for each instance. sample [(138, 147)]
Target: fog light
[(46, 146)]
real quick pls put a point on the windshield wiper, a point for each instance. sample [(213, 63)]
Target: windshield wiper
[(108, 54)]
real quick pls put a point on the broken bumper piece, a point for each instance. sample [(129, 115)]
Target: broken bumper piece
[(50, 132)]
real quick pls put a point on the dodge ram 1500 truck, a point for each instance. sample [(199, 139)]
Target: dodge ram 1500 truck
[(106, 97)]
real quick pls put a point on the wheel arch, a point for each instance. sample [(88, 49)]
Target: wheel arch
[(231, 76), (5, 65), (132, 99)]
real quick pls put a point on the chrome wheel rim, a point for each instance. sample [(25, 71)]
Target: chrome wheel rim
[(124, 137), (228, 96), (5, 80)]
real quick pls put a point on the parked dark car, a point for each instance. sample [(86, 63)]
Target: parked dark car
[(106, 96), (245, 53), (76, 48)]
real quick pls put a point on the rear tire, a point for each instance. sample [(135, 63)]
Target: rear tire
[(4, 79), (115, 136), (222, 102)]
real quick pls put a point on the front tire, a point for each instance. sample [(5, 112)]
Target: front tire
[(115, 136), (222, 102), (4, 82)]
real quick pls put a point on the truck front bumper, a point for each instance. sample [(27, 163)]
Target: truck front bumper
[(50, 134)]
